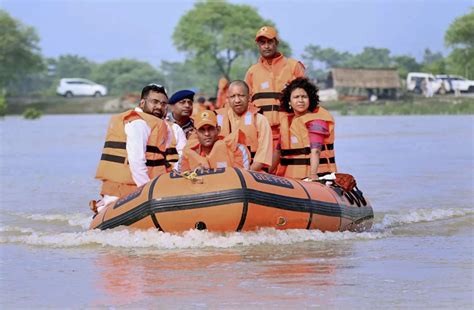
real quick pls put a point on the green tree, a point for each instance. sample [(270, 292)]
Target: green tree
[(430, 57), (179, 75), (19, 50), (437, 66), (405, 64), (370, 57), (72, 66), (219, 33), (319, 60), (327, 57), (126, 75), (460, 37)]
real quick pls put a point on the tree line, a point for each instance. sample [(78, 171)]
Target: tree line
[(217, 38)]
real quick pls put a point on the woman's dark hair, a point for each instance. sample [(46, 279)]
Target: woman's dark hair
[(305, 84)]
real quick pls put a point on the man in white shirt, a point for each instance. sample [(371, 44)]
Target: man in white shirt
[(176, 137), (134, 151)]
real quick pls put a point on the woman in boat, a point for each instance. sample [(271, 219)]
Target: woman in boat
[(307, 133)]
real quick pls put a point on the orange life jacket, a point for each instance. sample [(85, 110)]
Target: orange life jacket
[(267, 83), (172, 155), (218, 158), (113, 167), (222, 88), (295, 146), (247, 124)]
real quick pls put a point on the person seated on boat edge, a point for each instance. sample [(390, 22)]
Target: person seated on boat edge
[(255, 126), (176, 139), (307, 133), (210, 150), (134, 149), (181, 110)]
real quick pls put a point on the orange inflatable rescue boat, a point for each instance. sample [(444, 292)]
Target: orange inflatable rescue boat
[(233, 199)]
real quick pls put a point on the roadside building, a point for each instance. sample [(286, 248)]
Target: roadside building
[(364, 84)]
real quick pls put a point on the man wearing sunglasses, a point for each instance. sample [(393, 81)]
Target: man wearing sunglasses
[(134, 149)]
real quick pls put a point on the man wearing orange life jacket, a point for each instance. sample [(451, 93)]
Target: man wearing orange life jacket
[(209, 150), (176, 138), (307, 133), (269, 76), (257, 131), (134, 147)]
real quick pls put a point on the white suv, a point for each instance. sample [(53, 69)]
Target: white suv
[(415, 81), (80, 87), (452, 82)]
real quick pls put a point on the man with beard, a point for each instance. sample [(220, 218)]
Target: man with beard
[(134, 149), (176, 136)]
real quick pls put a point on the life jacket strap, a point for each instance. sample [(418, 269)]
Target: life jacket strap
[(267, 95)]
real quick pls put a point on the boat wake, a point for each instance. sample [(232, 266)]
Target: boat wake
[(127, 238), (390, 221)]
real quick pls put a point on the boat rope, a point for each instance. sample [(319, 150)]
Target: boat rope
[(192, 176)]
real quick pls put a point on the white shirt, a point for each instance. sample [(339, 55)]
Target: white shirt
[(137, 132), (181, 140)]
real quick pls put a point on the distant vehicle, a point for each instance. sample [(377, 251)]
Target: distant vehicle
[(80, 87), (415, 81), (452, 82)]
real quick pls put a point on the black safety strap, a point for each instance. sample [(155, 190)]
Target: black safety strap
[(267, 95), (267, 108)]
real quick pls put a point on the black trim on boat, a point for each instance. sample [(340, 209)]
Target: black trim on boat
[(309, 198), (241, 195), (150, 197), (245, 200)]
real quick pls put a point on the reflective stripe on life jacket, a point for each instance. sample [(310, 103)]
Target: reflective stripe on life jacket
[(295, 150), (113, 165)]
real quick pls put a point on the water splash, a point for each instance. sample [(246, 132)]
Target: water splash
[(128, 238), (419, 216), (77, 219), (125, 238)]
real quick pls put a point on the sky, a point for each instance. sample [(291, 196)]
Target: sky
[(101, 30)]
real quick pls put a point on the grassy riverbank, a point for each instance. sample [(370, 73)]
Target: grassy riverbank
[(412, 106), (61, 105), (408, 106)]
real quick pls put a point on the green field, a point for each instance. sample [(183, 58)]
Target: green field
[(412, 106)]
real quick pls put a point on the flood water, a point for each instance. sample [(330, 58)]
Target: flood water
[(418, 172)]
